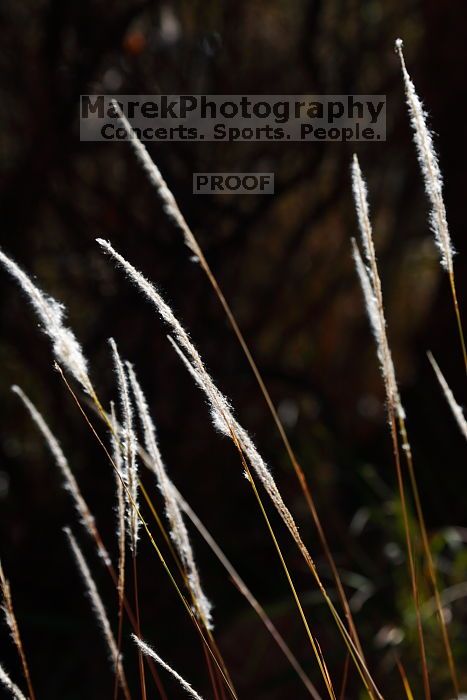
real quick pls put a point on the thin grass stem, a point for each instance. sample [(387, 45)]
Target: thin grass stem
[(245, 591)]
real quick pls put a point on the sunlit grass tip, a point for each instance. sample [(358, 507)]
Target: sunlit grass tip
[(146, 649)]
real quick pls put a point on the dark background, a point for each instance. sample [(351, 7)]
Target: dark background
[(284, 264)]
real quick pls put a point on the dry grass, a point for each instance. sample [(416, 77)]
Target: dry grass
[(131, 445)]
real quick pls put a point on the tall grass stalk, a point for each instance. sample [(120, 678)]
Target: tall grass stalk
[(120, 512), (224, 420), (173, 212), (428, 160), (371, 285), (174, 515), (13, 626), (128, 447), (130, 474)]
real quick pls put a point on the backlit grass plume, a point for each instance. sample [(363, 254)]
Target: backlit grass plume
[(178, 531), (51, 313), (7, 683), (129, 448), (433, 181), (224, 421), (146, 649), (69, 481), (428, 159), (372, 292), (121, 533), (371, 287)]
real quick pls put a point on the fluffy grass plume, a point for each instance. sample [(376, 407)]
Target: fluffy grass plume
[(129, 448), (131, 479), (6, 681), (371, 287), (429, 165), (433, 180), (51, 313), (117, 458)]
